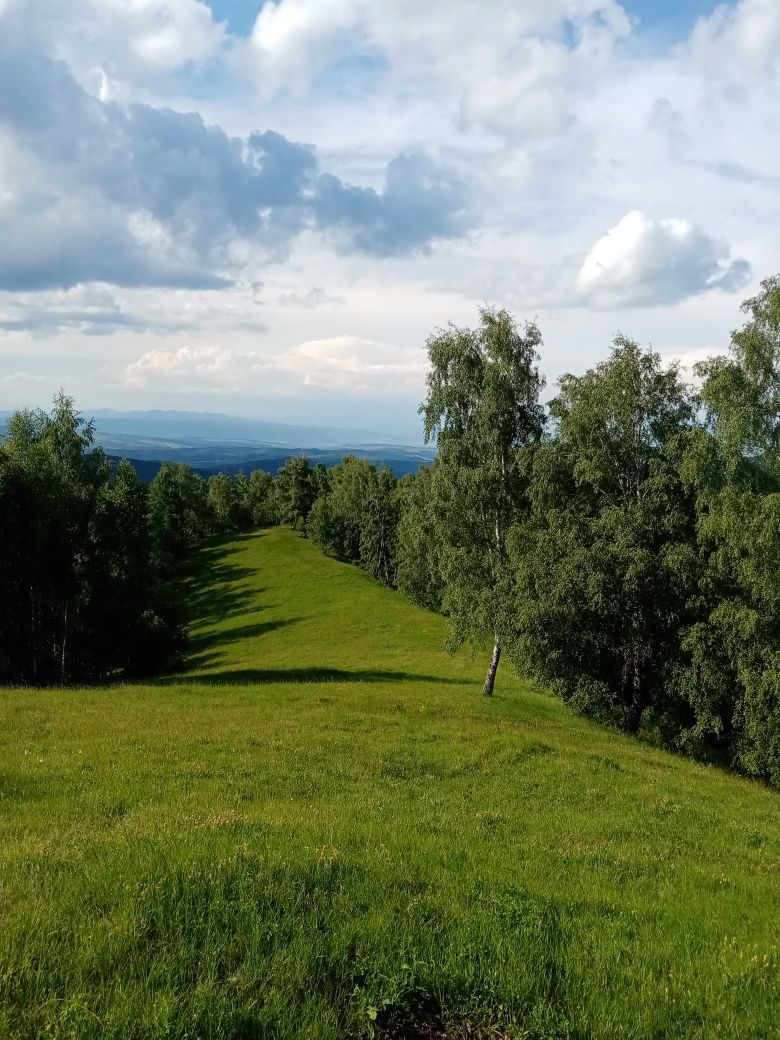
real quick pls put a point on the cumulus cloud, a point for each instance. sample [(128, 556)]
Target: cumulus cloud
[(417, 195), (193, 368), (355, 363), (114, 46), (743, 38), (351, 363), (139, 195), (512, 66), (642, 262)]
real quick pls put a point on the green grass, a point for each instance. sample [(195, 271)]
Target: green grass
[(322, 829)]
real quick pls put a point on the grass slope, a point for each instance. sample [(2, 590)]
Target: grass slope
[(323, 830)]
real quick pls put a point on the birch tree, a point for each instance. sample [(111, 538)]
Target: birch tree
[(482, 409), (606, 568)]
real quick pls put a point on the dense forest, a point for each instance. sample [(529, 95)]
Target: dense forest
[(621, 546)]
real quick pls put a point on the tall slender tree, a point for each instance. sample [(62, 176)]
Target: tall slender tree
[(482, 408)]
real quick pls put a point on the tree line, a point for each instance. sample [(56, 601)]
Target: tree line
[(90, 556), (620, 546)]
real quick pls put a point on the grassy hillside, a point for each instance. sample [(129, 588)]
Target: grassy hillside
[(322, 830)]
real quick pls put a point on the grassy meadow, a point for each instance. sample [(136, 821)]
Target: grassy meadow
[(321, 829)]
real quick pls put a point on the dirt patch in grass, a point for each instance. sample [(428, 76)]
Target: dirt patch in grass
[(435, 1029)]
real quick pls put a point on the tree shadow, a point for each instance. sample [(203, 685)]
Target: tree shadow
[(200, 644), (210, 590), (265, 676)]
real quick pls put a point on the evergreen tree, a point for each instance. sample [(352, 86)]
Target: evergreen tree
[(80, 594)]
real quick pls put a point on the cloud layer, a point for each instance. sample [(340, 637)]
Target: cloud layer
[(186, 212), (141, 195), (342, 362), (509, 66)]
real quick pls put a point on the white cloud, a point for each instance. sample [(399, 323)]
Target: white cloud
[(292, 41), (511, 66), (354, 363), (121, 47), (642, 262), (23, 377), (315, 297), (349, 363), (743, 38), (542, 120), (687, 358), (145, 195), (193, 368)]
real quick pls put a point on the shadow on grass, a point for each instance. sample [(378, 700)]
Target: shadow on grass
[(200, 645), (214, 589), (213, 597), (264, 676)]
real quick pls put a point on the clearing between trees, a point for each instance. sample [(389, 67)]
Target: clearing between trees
[(321, 830)]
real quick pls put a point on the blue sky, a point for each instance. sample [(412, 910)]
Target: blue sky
[(240, 15), (679, 13), (266, 212)]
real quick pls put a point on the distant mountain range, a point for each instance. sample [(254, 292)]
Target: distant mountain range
[(211, 442), (227, 429)]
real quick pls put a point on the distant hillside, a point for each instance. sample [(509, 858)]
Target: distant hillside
[(214, 428), (401, 461), (212, 443)]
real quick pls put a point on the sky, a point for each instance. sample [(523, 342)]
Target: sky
[(265, 208)]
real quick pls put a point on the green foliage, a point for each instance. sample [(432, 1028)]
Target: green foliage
[(378, 527), (733, 674), (256, 493), (315, 831), (226, 503), (419, 539), (336, 525), (136, 625), (179, 512), (605, 568), (482, 407), (294, 492), (81, 595), (742, 390), (355, 515)]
